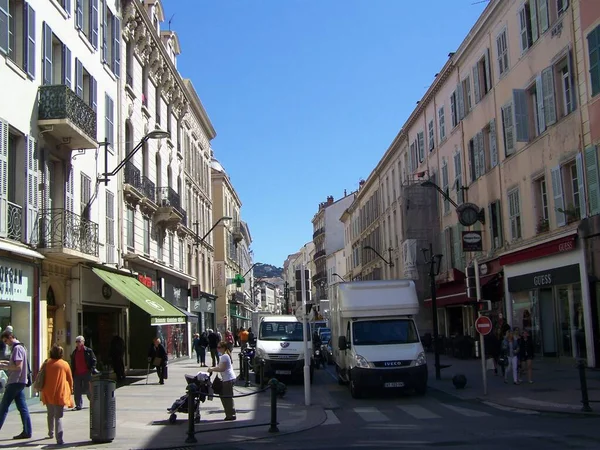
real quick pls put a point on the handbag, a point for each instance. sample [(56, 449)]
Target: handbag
[(157, 361), (38, 384), (217, 385)]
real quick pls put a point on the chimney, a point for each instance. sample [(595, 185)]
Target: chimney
[(330, 199), (345, 193), (361, 183)]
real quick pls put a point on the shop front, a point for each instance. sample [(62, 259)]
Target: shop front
[(175, 291), (238, 313), (204, 307), (548, 298)]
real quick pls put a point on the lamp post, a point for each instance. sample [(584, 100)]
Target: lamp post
[(434, 262), (201, 240), (390, 250), (154, 134), (339, 276)]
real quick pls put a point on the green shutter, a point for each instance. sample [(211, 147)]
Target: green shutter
[(591, 175)]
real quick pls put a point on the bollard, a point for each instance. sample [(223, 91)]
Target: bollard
[(585, 400), (273, 428), (247, 372), (241, 364), (191, 433)]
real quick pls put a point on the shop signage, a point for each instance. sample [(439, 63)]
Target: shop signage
[(16, 281), (202, 305), (146, 281), (472, 241), (551, 277), (167, 320), (155, 305), (561, 245)]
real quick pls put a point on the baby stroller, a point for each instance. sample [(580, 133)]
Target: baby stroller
[(202, 381)]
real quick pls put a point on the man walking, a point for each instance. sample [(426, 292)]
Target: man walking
[(17, 369), (83, 365)]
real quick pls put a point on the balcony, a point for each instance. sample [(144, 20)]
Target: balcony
[(66, 117), (65, 236), (319, 276), (14, 222), (319, 232), (169, 213), (139, 189), (236, 232), (319, 254)]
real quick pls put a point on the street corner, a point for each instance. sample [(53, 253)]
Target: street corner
[(526, 405)]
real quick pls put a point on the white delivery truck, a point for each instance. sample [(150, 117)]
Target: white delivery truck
[(256, 318), (280, 346), (375, 340)]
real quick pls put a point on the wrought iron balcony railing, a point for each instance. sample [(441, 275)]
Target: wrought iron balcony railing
[(319, 254), (168, 197), (62, 229), (318, 232), (14, 222), (58, 101), (133, 176), (148, 188)]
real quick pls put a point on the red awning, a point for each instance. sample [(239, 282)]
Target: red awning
[(560, 245), (450, 294)]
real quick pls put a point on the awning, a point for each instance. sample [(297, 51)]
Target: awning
[(160, 311), (450, 294), (237, 316), (191, 317)]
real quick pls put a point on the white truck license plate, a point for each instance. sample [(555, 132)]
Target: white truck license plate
[(395, 384), (283, 372)]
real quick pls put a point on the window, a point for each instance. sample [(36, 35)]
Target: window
[(130, 228), (514, 214), (160, 244), (421, 146), (146, 236), (458, 183), (540, 197), (110, 227), (445, 186), (442, 124), (171, 250), (86, 86), (86, 194), (479, 153), (493, 144), (144, 86), (466, 89), (431, 137), (413, 156), (507, 129), (109, 127), (65, 4), (454, 109), (495, 224), (157, 105), (482, 80), (111, 40), (502, 47), (86, 19), (565, 84), (17, 34), (572, 191), (56, 59), (527, 26), (129, 63), (561, 7), (181, 255)]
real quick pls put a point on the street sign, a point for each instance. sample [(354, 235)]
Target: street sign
[(483, 325)]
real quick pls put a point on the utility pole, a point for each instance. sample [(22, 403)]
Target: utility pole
[(434, 262), (306, 335)]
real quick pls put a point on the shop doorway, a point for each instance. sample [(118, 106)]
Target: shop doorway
[(99, 324)]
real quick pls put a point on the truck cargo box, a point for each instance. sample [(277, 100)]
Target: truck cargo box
[(383, 298)]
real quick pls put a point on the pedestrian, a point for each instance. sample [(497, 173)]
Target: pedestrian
[(117, 352), (225, 368), (213, 343), (510, 348), (203, 346), (157, 357), (229, 339), (56, 392), (17, 369), (243, 338), (526, 356), (196, 347), (83, 366)]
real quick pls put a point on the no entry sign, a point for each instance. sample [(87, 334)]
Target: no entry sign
[(483, 325)]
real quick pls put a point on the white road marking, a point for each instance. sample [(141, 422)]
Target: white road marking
[(370, 414), (466, 412), (418, 412), (511, 409), (331, 418)]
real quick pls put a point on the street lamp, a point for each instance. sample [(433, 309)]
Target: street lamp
[(201, 240), (339, 276), (390, 250), (154, 134), (434, 262)]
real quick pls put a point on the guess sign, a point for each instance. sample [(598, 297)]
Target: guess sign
[(566, 246)]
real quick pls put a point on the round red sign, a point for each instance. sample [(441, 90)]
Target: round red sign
[(483, 325)]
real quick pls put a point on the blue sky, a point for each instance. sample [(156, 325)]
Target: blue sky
[(307, 95)]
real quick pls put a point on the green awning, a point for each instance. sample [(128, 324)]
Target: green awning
[(237, 316), (159, 310)]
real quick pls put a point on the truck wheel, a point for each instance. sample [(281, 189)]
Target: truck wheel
[(172, 418), (353, 390)]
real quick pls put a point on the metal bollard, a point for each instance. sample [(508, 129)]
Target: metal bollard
[(191, 433), (273, 428), (241, 364), (247, 372), (585, 400)]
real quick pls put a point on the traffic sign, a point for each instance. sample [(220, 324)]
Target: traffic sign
[(483, 325)]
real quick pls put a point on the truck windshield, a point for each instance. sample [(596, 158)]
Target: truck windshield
[(281, 331), (384, 332)]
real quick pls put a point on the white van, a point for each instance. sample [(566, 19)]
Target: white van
[(280, 344)]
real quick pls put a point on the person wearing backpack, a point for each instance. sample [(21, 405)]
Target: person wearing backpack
[(18, 374)]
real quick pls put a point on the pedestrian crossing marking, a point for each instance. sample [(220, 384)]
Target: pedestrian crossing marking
[(370, 414), (418, 412), (466, 412), (331, 418)]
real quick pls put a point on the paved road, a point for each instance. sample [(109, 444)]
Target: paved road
[(437, 420)]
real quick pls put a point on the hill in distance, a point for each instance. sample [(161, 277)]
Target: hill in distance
[(267, 271)]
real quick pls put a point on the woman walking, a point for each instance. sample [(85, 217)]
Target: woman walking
[(157, 357), (510, 348), (57, 390), (225, 368)]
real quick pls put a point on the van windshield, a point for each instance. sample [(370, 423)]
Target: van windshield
[(384, 332), (281, 331)]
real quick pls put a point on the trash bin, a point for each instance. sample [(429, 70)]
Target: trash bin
[(103, 411)]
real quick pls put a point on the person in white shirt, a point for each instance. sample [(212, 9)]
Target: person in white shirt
[(225, 368)]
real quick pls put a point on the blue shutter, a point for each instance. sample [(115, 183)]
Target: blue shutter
[(67, 73), (116, 51), (93, 94), (592, 179), (32, 174), (94, 22), (104, 32), (521, 116), (581, 186), (539, 90), (476, 83), (78, 78), (559, 200), (30, 48), (79, 14), (493, 145), (68, 6), (47, 57), (109, 120), (3, 178), (4, 26), (549, 100)]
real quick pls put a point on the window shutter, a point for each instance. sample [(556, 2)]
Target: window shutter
[(69, 188), (523, 29), (491, 225), (116, 53), (79, 14), (549, 105), (3, 178), (474, 159), (104, 32), (499, 222), (94, 22), (534, 20), (592, 179), (453, 111), (508, 129), (476, 83), (493, 144), (573, 84), (488, 72), (461, 101), (581, 186), (78, 78), (543, 14), (559, 201), (456, 250), (66, 66), (68, 6), (4, 26), (30, 33), (539, 94), (107, 119), (481, 154), (33, 187), (93, 94), (47, 34), (520, 112)]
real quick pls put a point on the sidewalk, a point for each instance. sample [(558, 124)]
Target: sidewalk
[(555, 386), (142, 418)]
